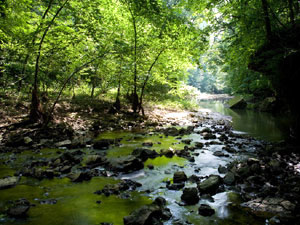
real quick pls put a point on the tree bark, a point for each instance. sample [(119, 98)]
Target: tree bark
[(292, 15), (36, 112), (267, 20)]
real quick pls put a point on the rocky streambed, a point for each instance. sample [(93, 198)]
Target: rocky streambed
[(200, 172)]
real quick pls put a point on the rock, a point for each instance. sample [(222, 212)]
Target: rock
[(199, 145), (267, 105), (269, 206), (65, 143), (222, 169), (48, 202), (205, 210), (210, 185), (19, 209), (146, 215), (126, 164), (66, 169), (186, 141), (8, 182), (219, 154), (179, 177), (229, 178), (27, 141), (103, 144), (167, 152), (150, 167), (237, 103), (175, 186), (208, 136), (144, 154), (80, 176), (171, 131), (94, 160), (190, 196), (148, 144)]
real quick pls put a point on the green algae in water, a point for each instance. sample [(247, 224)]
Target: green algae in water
[(164, 161), (76, 202)]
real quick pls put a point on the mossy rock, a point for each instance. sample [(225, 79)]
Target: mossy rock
[(237, 102)]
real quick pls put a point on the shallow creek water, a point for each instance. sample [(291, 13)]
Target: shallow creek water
[(77, 204)]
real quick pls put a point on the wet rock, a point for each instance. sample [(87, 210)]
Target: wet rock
[(210, 185), (205, 210), (167, 152), (237, 103), (48, 202), (175, 186), (179, 177), (171, 131), (223, 137), (269, 206), (220, 154), (144, 153), (126, 164), (66, 169), (103, 144), (229, 178), (65, 143), (94, 160), (190, 196), (199, 145), (194, 178), (148, 144), (19, 209), (222, 169), (208, 136), (8, 182), (146, 215), (116, 189), (186, 141), (80, 176), (150, 166)]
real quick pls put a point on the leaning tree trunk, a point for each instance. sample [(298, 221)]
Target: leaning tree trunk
[(267, 20)]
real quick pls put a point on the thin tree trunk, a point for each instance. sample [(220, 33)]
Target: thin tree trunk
[(36, 113), (267, 20), (135, 98), (146, 81)]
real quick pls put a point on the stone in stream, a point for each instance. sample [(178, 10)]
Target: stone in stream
[(167, 152), (65, 143), (103, 144), (125, 164), (179, 177), (148, 144), (205, 210), (237, 103), (94, 160), (8, 182), (149, 214), (144, 153), (199, 145), (229, 178), (186, 141), (208, 136), (210, 185), (222, 169), (80, 176), (19, 209), (175, 186), (190, 196)]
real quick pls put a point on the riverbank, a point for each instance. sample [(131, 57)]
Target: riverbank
[(194, 160)]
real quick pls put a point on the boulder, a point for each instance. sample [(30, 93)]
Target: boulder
[(229, 178), (205, 210), (126, 164), (144, 153), (210, 185), (190, 196), (237, 103), (8, 182), (148, 214), (222, 169), (19, 208), (179, 177)]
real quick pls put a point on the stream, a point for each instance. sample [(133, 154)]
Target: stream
[(60, 201)]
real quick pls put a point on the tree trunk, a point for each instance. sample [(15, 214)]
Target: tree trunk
[(135, 97), (267, 20), (292, 15), (36, 113)]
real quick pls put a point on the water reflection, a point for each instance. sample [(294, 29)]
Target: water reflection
[(257, 124)]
